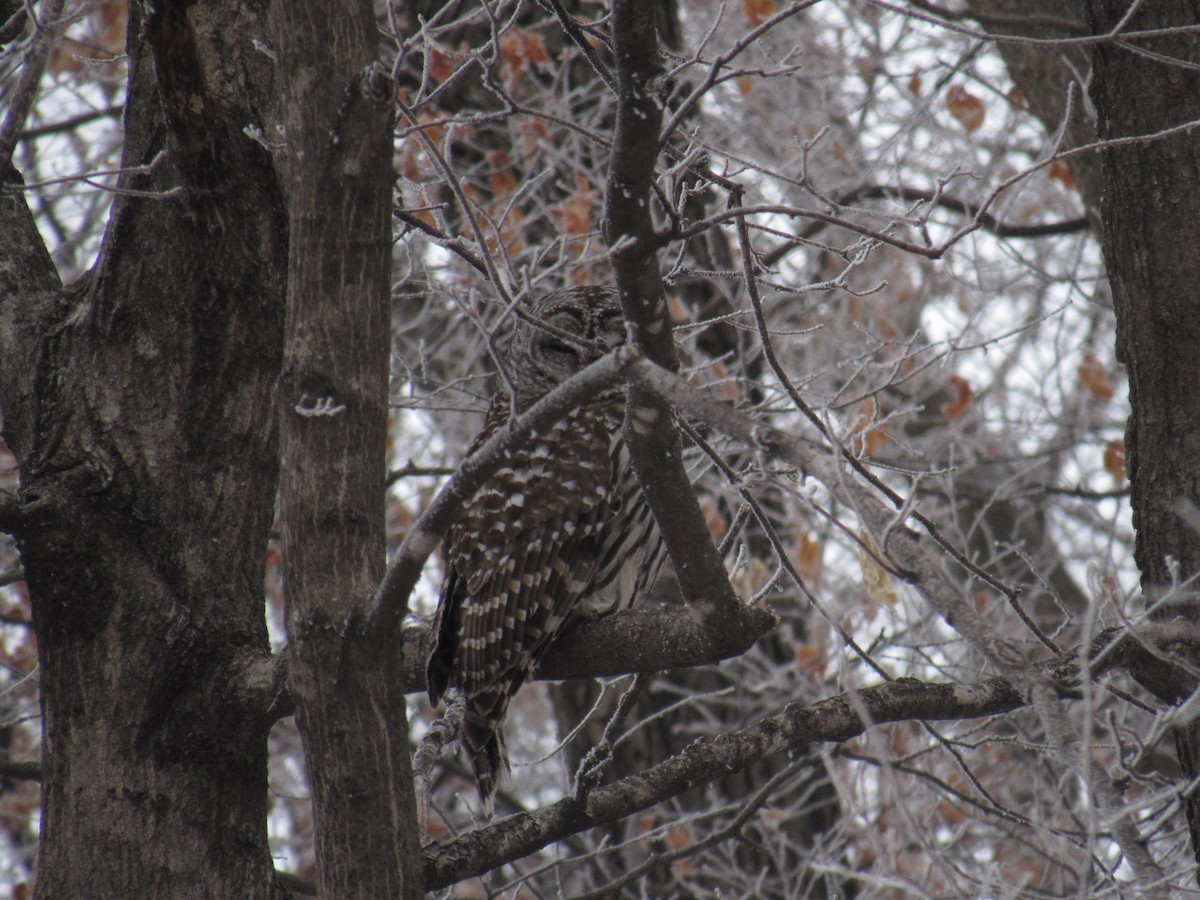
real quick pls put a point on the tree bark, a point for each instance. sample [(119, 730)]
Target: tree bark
[(348, 692), (140, 403), (1150, 210)]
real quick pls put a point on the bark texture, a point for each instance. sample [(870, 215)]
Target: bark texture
[(348, 693), (140, 403), (1150, 210)]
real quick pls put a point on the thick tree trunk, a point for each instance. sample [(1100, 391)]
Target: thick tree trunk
[(1151, 210), (140, 404), (348, 692)]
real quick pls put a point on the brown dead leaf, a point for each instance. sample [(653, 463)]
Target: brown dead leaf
[(965, 107), (806, 557), (758, 11), (440, 65), (1114, 461), (963, 397), (577, 214), (724, 385), (500, 174), (873, 438), (876, 579), (812, 658), (680, 838), (519, 51), (1062, 173), (713, 517), (1093, 375)]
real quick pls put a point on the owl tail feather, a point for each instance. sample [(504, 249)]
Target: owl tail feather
[(484, 742)]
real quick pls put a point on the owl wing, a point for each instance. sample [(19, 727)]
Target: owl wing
[(525, 551), (529, 545)]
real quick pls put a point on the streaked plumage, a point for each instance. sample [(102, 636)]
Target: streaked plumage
[(562, 526)]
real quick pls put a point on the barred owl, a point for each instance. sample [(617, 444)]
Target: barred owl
[(562, 527)]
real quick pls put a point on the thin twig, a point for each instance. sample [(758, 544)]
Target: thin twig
[(20, 101)]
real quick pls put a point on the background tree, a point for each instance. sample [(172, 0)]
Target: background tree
[(877, 235)]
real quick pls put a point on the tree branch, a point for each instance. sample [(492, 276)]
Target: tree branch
[(652, 439), (71, 123), (10, 511), (31, 68), (987, 222), (628, 642), (31, 288), (837, 719)]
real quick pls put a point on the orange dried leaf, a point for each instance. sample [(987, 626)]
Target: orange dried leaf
[(533, 131), (885, 326), (1093, 375), (1062, 173), (520, 49), (1016, 97), (744, 85), (512, 59), (915, 83), (951, 812), (871, 438), (582, 276), (875, 440), (110, 24), (839, 151), (812, 658), (966, 107), (962, 400), (713, 518), (501, 176), (758, 11), (1114, 461), (577, 214), (440, 65), (679, 838), (876, 579), (806, 556), (534, 48)]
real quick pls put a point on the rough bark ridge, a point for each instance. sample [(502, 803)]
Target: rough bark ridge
[(140, 404), (348, 692), (1151, 207)]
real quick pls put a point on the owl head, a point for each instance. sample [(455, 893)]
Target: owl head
[(584, 324)]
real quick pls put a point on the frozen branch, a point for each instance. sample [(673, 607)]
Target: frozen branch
[(31, 68), (653, 441), (835, 720)]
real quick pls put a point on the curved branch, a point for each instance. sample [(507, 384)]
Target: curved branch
[(987, 222), (837, 719), (629, 642)]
